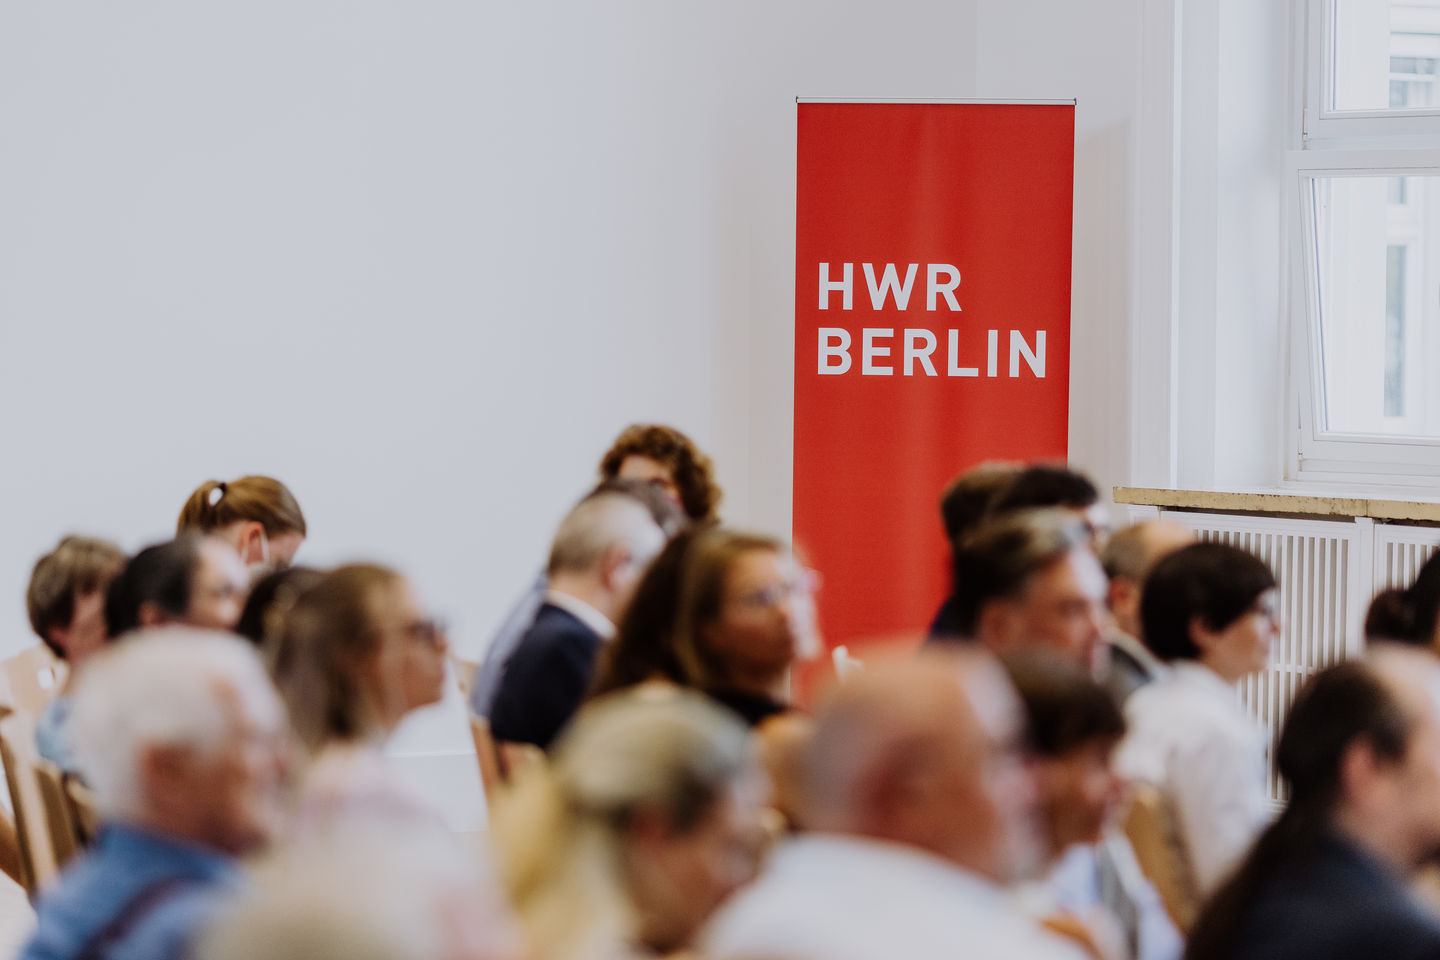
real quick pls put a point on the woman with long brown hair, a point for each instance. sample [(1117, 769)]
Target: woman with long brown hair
[(259, 515)]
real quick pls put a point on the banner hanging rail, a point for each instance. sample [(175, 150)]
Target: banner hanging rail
[(1047, 103)]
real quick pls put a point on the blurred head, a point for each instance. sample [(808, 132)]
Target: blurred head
[(193, 580), (257, 515), (967, 499), (181, 731), (356, 652), (648, 816), (1074, 725), (1409, 615), (1360, 752), (66, 596), (1055, 485), (744, 611), (363, 895), (602, 549), (1029, 579), (1211, 603), (670, 461), (1128, 558), (927, 753), (269, 598), (667, 514)]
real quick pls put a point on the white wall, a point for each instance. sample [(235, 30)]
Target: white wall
[(421, 261)]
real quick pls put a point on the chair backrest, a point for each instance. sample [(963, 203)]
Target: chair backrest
[(464, 674), (65, 839), (31, 678), (1150, 826), (82, 809), (17, 752), (486, 755)]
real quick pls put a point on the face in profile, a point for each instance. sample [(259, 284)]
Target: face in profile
[(1243, 647), (642, 468), (243, 781), (1080, 793), (1063, 608), (218, 587), (679, 877), (763, 614), (407, 670)]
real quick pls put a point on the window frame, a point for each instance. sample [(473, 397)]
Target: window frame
[(1341, 143)]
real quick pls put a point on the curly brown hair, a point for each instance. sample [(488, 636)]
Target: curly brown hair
[(694, 474)]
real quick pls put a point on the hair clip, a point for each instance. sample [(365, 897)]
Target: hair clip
[(217, 492)]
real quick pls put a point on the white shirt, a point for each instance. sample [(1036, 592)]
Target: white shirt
[(833, 897), (1190, 737), (582, 611)]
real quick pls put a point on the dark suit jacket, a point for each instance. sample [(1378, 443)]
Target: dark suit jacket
[(546, 678), (1336, 903)]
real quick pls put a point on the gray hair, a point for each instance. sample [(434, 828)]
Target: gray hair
[(158, 688), (998, 559), (598, 523)]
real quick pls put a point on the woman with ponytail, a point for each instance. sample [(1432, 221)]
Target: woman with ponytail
[(1360, 752), (647, 815), (1408, 615), (259, 515)]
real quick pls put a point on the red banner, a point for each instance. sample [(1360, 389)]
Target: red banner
[(932, 333)]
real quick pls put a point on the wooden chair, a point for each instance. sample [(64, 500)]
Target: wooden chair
[(17, 753), (500, 762), (1150, 826), (464, 674), (31, 679), (81, 802), (65, 837)]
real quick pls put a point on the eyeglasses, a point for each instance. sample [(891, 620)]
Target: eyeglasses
[(804, 584), (430, 631)]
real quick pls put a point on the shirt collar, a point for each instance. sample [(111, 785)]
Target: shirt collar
[(1195, 674), (140, 845), (581, 611)]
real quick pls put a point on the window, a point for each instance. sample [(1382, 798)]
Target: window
[(1366, 220)]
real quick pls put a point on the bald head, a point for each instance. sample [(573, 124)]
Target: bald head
[(926, 753), (1127, 559)]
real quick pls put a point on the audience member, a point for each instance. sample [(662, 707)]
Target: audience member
[(1030, 579), (193, 580), (1409, 615), (1210, 611), (919, 807), (644, 647), (259, 516), (668, 460), (66, 604), (1094, 888), (668, 517), (743, 613), (366, 895), (599, 554), (181, 737), (647, 817), (355, 653), (963, 505), (275, 591), (1360, 752), (1127, 558)]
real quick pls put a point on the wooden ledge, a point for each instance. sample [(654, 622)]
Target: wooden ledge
[(1279, 502)]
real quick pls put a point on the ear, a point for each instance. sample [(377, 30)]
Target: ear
[(151, 615), (1360, 772), (615, 570), (1122, 594), (997, 625), (60, 637), (162, 768), (252, 534), (1201, 635)]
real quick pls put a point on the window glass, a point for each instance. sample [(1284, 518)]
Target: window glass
[(1379, 318), (1385, 55)]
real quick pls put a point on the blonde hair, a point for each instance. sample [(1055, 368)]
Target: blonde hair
[(217, 503), (561, 831), (323, 635)]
